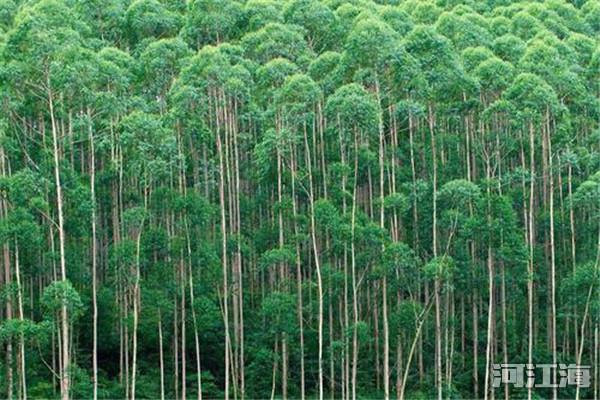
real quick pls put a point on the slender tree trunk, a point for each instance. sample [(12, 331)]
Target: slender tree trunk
[(345, 324), (375, 343), (298, 278), (386, 340), (354, 285), (65, 384), (274, 374), (420, 321), (94, 263), (504, 332), (282, 266), (531, 250), (386, 328), (8, 283), (438, 333), (161, 357), (450, 360), (317, 263), (573, 247), (490, 322), (136, 308), (183, 331), (331, 347), (582, 341), (224, 259), (22, 367), (194, 320), (552, 258), (240, 277), (176, 347)]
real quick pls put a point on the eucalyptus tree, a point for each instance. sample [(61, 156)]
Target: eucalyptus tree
[(493, 76), (441, 71), (151, 153), (298, 99), (368, 47), (356, 115), (534, 99)]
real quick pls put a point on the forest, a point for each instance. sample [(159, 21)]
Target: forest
[(322, 199)]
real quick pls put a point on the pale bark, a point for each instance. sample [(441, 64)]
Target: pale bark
[(65, 383), (94, 264), (224, 260), (7, 281), (22, 367), (531, 250), (552, 256), (136, 307), (313, 235), (161, 357), (436, 289)]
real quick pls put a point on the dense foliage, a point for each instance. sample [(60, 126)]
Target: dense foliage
[(300, 198)]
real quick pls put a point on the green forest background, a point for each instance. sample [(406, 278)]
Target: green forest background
[(297, 199)]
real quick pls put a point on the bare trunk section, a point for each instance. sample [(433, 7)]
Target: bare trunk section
[(65, 383), (438, 333), (531, 241), (94, 262), (22, 368), (224, 259), (136, 305), (313, 234), (161, 357)]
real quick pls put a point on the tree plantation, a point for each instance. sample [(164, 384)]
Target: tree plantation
[(311, 199)]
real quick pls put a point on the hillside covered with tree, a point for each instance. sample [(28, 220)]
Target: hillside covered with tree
[(297, 199)]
